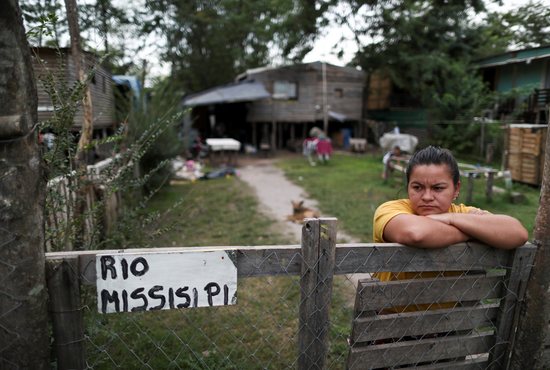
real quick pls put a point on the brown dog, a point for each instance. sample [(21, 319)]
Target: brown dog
[(299, 212)]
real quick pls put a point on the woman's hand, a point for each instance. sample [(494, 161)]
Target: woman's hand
[(423, 231), (446, 218), (499, 231)]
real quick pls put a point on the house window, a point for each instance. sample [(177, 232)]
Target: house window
[(285, 90), (339, 93)]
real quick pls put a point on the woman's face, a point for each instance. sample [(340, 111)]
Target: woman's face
[(431, 189)]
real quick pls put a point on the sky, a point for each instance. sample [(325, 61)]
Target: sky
[(323, 49)]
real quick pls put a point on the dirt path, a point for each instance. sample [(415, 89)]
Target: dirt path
[(275, 192)]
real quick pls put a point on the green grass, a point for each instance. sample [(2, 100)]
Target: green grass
[(207, 213), (350, 188), (259, 332)]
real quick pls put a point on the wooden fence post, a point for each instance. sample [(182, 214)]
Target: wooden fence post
[(318, 256), (521, 261), (532, 346), (66, 312)]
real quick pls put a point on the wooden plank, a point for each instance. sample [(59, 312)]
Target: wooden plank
[(387, 294), (514, 291), (476, 363), (422, 322), (350, 258), (368, 258), (318, 255), (415, 351), (66, 312), (545, 361)]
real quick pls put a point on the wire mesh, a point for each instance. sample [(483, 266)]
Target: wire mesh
[(259, 332), (391, 307)]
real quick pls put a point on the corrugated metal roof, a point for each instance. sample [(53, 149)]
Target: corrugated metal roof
[(239, 92), (313, 65), (518, 56)]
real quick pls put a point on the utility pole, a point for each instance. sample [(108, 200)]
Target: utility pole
[(24, 338), (532, 335), (325, 100)]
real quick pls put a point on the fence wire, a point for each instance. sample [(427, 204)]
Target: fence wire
[(421, 317), (260, 331)]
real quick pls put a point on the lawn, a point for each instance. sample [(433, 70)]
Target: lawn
[(262, 328), (350, 188), (260, 331)]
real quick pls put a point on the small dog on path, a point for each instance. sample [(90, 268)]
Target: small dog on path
[(299, 212)]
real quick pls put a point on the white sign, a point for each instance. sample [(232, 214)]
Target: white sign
[(129, 282)]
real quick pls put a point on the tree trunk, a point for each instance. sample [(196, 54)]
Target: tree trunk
[(79, 61), (24, 339), (86, 131), (533, 327)]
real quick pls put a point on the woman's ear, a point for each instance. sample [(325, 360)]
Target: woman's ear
[(457, 190)]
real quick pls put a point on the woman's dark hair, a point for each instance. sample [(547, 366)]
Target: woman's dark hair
[(434, 155)]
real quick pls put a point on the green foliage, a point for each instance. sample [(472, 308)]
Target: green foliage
[(365, 191), (425, 47), (46, 23), (157, 123), (209, 42), (151, 141), (525, 26)]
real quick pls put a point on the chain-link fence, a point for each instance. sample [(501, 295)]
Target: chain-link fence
[(318, 305)]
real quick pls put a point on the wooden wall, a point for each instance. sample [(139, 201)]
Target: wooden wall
[(54, 68), (525, 152), (308, 107), (380, 88)]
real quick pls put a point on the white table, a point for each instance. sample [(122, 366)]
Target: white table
[(226, 147), (217, 145)]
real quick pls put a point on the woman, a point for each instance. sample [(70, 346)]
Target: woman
[(430, 219)]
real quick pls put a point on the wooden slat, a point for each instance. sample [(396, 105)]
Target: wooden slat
[(424, 350), (361, 258), (545, 362), (350, 258), (477, 363), (422, 322), (318, 250), (516, 283), (387, 294)]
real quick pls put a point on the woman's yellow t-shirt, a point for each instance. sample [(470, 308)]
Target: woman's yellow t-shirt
[(384, 213)]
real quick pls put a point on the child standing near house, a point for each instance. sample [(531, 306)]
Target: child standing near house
[(309, 148), (324, 149)]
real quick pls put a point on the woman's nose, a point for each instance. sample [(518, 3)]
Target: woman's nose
[(427, 194)]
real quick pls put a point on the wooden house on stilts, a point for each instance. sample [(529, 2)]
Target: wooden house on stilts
[(289, 101)]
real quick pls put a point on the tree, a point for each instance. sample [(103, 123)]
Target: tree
[(24, 339), (209, 43), (47, 18), (522, 27), (425, 46), (533, 332), (112, 23)]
